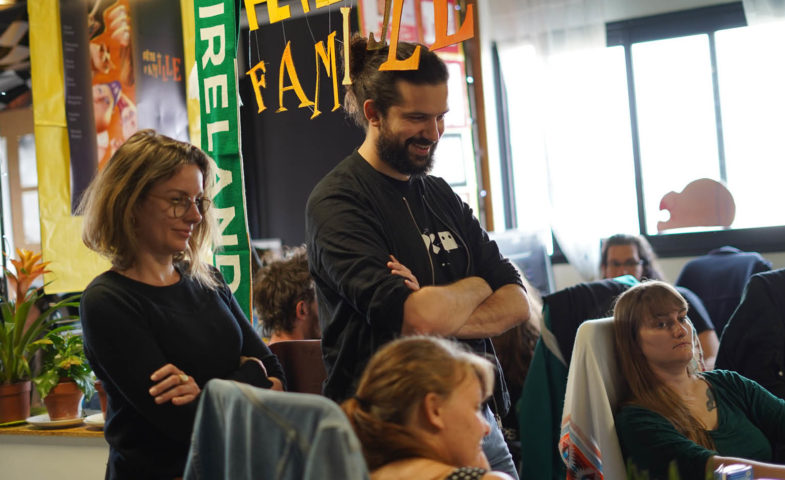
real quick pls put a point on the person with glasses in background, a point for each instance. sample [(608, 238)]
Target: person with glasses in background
[(624, 254), (161, 322)]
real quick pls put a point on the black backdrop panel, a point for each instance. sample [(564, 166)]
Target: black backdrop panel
[(285, 154)]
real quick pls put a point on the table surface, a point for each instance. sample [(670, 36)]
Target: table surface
[(76, 431)]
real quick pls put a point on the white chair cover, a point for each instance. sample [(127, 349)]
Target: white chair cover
[(588, 443)]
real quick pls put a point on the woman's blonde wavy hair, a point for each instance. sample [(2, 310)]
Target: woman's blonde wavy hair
[(395, 382), (109, 203), (632, 309)]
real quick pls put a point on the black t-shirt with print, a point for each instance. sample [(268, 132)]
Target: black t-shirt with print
[(446, 249)]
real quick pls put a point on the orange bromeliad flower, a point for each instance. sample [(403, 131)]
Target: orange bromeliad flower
[(28, 268)]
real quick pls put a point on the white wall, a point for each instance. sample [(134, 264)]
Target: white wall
[(50, 454)]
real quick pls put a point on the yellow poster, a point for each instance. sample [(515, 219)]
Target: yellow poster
[(73, 265)]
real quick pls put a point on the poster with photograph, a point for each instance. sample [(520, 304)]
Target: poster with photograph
[(428, 24), (417, 21), (121, 75), (372, 19)]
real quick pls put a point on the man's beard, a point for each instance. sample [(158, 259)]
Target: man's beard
[(396, 154)]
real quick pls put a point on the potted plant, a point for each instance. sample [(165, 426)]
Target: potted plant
[(20, 326), (65, 375)]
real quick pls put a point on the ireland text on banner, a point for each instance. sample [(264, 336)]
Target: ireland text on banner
[(216, 59)]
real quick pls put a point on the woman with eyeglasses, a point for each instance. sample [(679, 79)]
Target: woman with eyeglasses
[(624, 254), (161, 322)]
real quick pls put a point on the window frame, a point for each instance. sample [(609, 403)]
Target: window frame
[(704, 20), (15, 123)]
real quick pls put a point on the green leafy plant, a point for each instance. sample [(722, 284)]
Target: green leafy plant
[(63, 357), (18, 333)]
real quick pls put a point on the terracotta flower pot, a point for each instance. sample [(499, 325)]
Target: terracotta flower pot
[(99, 387), (14, 401), (64, 400)]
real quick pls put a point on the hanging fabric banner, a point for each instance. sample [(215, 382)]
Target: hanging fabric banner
[(72, 264), (113, 63), (216, 60)]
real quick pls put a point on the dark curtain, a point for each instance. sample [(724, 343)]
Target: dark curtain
[(286, 154)]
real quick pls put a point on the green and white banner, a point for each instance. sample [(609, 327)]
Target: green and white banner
[(216, 60)]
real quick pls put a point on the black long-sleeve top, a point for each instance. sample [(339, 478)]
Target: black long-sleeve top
[(131, 329), (355, 218), (753, 342)]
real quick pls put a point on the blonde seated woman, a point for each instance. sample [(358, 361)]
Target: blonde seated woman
[(673, 413), (418, 411)]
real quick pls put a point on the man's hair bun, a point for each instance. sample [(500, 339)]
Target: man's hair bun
[(358, 51)]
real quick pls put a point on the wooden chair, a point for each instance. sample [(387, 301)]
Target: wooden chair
[(302, 364)]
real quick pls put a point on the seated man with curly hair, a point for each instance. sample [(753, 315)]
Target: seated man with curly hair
[(285, 300)]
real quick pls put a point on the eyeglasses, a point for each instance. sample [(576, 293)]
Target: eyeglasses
[(629, 263), (181, 205)]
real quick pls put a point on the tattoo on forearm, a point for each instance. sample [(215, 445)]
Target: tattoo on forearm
[(711, 403)]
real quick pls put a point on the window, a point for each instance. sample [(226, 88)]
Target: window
[(569, 139), (675, 110), (22, 228), (674, 98), (752, 95), (705, 94), (28, 183)]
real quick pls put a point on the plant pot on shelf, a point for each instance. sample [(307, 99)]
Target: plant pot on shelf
[(99, 387), (64, 400), (14, 401)]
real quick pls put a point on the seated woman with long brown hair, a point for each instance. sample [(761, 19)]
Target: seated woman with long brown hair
[(674, 413), (418, 411)]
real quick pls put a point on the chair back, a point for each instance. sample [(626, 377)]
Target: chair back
[(302, 364), (588, 440), (245, 433), (542, 399), (719, 277)]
